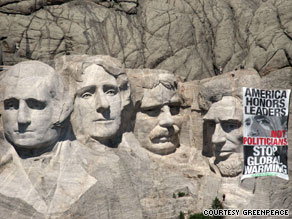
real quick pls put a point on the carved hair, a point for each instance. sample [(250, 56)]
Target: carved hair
[(141, 79), (72, 68), (229, 84)]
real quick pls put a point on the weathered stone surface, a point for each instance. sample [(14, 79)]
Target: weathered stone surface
[(229, 84), (38, 161), (158, 179), (251, 193), (157, 108), (153, 184), (281, 197), (191, 38), (155, 115), (26, 6), (100, 89), (113, 195)]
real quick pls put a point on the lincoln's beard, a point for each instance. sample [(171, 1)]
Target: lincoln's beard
[(230, 167)]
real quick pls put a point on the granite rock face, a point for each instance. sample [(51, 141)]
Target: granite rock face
[(138, 144), (135, 131), (194, 39)]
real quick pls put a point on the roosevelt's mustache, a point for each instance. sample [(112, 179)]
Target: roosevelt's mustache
[(159, 132)]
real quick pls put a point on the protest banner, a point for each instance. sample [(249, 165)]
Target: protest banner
[(265, 118)]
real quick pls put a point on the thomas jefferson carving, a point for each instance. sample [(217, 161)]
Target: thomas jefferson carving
[(100, 89)]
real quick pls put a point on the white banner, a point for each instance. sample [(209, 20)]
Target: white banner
[(265, 127)]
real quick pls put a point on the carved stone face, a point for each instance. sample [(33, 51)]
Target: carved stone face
[(28, 109), (98, 105), (225, 117), (158, 121)]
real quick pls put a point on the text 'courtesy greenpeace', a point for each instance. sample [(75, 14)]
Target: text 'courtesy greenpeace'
[(246, 212), (265, 118)]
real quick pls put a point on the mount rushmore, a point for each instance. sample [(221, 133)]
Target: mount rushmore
[(133, 109)]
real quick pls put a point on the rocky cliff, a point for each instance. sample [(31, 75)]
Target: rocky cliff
[(212, 47), (194, 39)]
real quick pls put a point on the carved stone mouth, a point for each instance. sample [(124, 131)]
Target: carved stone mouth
[(103, 120), (23, 132), (162, 139)]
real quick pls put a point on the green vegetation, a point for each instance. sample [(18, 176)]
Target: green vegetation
[(181, 215), (181, 194), (216, 204)]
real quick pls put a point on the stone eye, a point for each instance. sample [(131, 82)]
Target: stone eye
[(230, 125), (110, 92), (11, 104), (35, 104), (174, 110), (153, 112), (86, 95)]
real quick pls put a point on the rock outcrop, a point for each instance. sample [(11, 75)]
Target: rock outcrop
[(195, 39), (135, 133)]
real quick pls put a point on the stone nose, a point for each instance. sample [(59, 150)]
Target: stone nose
[(101, 102), (165, 117), (23, 116), (219, 135)]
